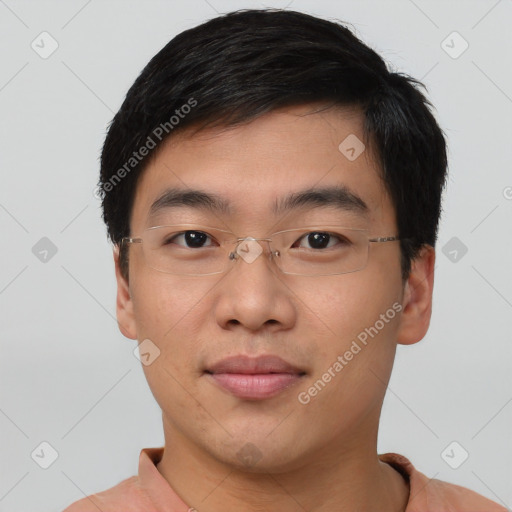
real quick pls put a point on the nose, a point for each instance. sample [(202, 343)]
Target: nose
[(252, 293)]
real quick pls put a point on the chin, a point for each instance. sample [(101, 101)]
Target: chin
[(258, 454)]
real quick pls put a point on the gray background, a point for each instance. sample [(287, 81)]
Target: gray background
[(68, 376)]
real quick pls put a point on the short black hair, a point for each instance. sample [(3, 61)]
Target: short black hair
[(241, 65)]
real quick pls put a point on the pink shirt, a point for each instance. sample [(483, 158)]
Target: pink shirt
[(150, 492)]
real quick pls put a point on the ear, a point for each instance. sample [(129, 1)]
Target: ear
[(124, 303), (417, 301)]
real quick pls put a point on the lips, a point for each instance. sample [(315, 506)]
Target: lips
[(252, 366), (254, 378)]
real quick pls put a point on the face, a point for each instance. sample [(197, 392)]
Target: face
[(340, 331)]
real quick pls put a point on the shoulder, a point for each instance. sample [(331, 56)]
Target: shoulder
[(432, 495), (126, 494), (462, 498)]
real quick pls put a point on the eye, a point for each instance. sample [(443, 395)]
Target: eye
[(322, 240), (191, 239)]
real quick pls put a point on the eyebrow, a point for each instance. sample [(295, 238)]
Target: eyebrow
[(339, 197)]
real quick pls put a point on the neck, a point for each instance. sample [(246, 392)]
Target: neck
[(344, 480)]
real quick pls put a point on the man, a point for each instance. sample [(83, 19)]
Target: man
[(273, 193)]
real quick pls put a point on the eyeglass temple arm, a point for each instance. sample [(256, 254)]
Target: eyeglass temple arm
[(129, 240), (384, 239)]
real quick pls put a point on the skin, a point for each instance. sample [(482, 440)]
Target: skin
[(317, 457)]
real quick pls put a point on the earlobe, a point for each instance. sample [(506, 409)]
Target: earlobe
[(417, 301), (124, 303)]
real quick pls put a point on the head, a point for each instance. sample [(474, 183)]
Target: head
[(252, 107)]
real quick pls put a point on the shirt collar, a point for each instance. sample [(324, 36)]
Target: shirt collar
[(155, 485), (166, 500)]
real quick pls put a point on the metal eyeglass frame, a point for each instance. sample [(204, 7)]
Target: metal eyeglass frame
[(237, 240)]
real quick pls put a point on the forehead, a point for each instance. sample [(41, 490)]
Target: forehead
[(286, 161)]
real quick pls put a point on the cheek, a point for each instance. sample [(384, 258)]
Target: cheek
[(345, 305), (355, 348), (356, 318), (171, 312), (166, 305)]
